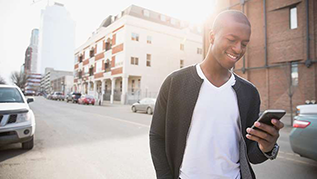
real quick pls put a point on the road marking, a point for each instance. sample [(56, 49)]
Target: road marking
[(122, 120)]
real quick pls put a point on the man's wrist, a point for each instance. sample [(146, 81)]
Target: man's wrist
[(273, 153)]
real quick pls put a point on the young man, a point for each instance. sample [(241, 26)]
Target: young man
[(201, 123)]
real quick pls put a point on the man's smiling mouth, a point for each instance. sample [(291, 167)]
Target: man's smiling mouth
[(233, 57)]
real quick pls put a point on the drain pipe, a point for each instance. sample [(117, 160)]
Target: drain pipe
[(308, 61), (242, 2), (265, 33)]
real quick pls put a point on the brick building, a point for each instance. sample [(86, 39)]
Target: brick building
[(281, 58)]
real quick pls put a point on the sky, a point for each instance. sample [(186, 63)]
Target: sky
[(19, 17)]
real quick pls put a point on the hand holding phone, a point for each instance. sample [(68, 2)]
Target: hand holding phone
[(268, 115)]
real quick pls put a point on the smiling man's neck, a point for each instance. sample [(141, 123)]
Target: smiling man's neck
[(216, 74)]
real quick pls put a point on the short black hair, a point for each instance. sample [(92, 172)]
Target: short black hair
[(238, 16)]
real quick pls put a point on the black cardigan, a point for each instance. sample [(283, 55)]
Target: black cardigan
[(172, 117)]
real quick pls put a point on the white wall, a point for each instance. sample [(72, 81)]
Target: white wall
[(69, 81), (164, 49)]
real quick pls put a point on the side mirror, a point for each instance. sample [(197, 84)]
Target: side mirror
[(29, 100), (138, 101)]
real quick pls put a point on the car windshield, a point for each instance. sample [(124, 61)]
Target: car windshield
[(89, 97), (10, 95)]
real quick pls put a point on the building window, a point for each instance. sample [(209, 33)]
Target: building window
[(134, 61), (135, 37), (92, 52), (199, 51), (80, 58), (293, 17), (182, 47), (148, 60), (163, 18), (149, 40), (146, 13), (108, 66), (294, 74), (181, 63), (108, 46), (79, 74), (91, 71), (120, 86)]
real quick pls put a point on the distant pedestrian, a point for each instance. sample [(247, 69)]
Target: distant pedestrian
[(203, 114)]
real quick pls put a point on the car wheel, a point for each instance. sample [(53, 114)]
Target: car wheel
[(149, 111), (133, 109), (28, 145)]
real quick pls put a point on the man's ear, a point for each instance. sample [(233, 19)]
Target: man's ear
[(211, 37)]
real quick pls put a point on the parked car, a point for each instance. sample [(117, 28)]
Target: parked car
[(144, 105), (86, 99), (73, 97), (17, 121), (60, 97), (48, 96), (56, 95), (303, 138)]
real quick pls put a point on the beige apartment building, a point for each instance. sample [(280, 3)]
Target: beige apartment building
[(130, 55)]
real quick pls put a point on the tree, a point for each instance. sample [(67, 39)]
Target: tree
[(19, 79), (2, 81)]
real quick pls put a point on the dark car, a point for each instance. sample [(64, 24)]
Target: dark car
[(86, 99), (73, 97), (303, 136)]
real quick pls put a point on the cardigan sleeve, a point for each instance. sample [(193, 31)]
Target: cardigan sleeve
[(157, 134), (255, 154)]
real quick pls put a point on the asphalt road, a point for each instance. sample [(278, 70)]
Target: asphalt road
[(109, 142)]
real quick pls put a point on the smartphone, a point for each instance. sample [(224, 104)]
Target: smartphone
[(268, 115)]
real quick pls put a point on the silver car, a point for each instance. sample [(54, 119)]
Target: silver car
[(303, 136), (144, 105)]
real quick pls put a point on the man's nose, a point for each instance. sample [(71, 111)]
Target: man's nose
[(237, 48)]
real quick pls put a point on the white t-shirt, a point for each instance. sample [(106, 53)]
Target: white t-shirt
[(212, 147)]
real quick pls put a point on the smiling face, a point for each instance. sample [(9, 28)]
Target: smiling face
[(228, 43)]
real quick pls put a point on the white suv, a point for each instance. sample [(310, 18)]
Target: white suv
[(17, 122)]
